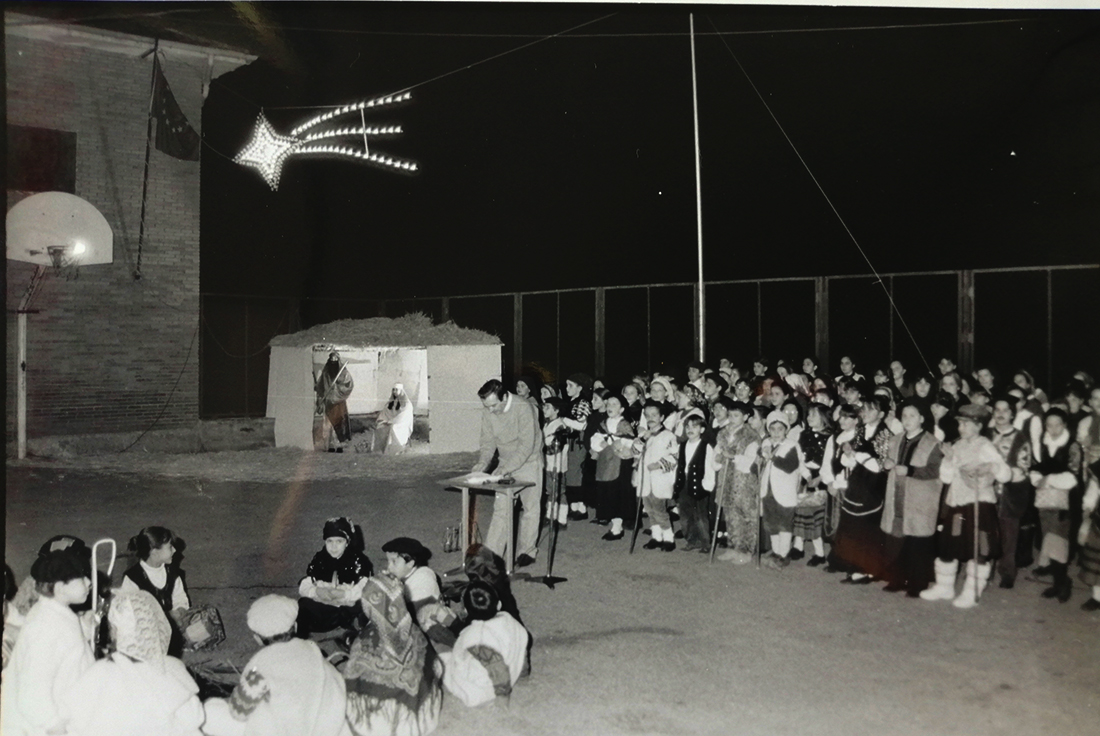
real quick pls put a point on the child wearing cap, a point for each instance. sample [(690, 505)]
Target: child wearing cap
[(490, 654), (288, 688), (334, 580), (407, 561), (969, 468), (780, 478), (736, 451), (53, 648)]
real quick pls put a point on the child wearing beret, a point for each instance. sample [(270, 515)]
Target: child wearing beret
[(288, 688), (53, 649)]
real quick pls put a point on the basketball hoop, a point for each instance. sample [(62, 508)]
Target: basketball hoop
[(64, 259)]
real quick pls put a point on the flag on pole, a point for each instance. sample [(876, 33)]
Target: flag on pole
[(175, 136)]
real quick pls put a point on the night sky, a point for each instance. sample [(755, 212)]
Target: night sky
[(571, 162)]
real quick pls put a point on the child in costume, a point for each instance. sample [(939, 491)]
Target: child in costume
[(970, 467), (138, 689), (490, 654), (288, 688), (158, 574), (407, 561), (694, 482), (780, 480), (611, 447), (736, 452), (655, 474), (809, 516), (53, 649), (1055, 475), (334, 580)]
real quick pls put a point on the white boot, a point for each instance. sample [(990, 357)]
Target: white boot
[(974, 585), (944, 587)]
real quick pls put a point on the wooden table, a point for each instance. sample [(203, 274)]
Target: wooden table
[(469, 510)]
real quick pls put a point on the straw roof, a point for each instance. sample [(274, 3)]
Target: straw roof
[(412, 330)]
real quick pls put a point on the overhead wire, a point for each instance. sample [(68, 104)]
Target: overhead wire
[(820, 188), (637, 34)]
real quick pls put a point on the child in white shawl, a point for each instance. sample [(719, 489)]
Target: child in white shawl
[(138, 689), (491, 652)]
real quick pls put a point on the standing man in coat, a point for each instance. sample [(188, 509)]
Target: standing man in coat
[(510, 429), (333, 387)]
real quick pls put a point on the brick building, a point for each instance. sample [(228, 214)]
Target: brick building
[(106, 352)]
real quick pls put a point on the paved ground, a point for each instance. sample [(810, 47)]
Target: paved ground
[(654, 643)]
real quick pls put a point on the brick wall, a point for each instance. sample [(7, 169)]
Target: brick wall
[(106, 352)]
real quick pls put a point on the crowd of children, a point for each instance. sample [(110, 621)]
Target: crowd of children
[(399, 643), (910, 480)]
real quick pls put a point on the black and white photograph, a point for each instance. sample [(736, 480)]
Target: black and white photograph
[(647, 368)]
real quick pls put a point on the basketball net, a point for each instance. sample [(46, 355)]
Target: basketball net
[(64, 263)]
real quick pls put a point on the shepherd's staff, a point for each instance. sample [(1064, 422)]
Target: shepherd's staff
[(977, 586), (638, 512), (719, 500), (97, 613)]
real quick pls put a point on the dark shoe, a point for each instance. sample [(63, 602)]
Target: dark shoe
[(1007, 583), (1045, 570), (1091, 605), (561, 526), (339, 449), (668, 546), (679, 534), (1051, 592), (652, 544), (612, 536), (647, 532), (525, 561), (832, 569), (815, 561), (894, 587), (578, 515), (796, 554), (1065, 590), (332, 449), (673, 516)]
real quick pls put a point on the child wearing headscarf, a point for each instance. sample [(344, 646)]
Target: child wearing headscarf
[(138, 689), (53, 649), (288, 688), (394, 678), (491, 652), (394, 425), (334, 581)]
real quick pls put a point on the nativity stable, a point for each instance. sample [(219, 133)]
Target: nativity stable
[(440, 366)]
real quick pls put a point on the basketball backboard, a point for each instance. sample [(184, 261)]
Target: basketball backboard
[(58, 229)]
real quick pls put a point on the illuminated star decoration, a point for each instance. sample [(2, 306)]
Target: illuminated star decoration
[(268, 150)]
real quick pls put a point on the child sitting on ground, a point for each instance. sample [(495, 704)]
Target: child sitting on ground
[(158, 574), (138, 689), (53, 649), (490, 654), (334, 581), (288, 688), (407, 560)]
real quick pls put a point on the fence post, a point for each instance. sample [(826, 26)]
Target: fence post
[(966, 321), (1050, 330), (601, 330), (445, 309), (821, 321), (517, 333)]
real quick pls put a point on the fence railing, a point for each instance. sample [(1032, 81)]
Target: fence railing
[(1043, 319)]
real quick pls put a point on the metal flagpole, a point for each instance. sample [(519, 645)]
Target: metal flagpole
[(701, 291)]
